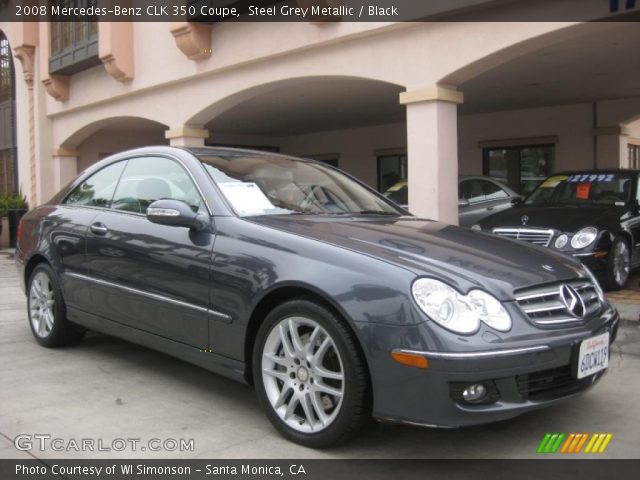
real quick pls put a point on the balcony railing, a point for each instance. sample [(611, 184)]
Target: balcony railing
[(74, 45)]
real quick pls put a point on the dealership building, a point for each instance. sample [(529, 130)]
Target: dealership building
[(421, 101)]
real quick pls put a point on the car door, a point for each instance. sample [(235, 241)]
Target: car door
[(69, 224), (484, 198), (152, 277)]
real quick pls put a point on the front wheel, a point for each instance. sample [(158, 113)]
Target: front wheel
[(46, 310), (618, 266), (309, 375)]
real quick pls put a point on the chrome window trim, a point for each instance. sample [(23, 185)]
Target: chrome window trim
[(471, 355), (132, 157), (154, 296)]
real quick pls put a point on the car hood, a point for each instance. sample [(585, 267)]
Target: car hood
[(464, 258), (565, 218)]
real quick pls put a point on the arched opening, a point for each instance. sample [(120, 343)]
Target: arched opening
[(345, 121), (105, 137), (8, 137), (552, 103)]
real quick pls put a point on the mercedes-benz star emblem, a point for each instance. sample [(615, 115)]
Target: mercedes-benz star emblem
[(572, 301), (524, 219)]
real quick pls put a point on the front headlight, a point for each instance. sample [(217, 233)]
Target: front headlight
[(456, 312), (584, 237), (561, 241)]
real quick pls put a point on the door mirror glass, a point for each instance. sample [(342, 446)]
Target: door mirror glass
[(176, 213)]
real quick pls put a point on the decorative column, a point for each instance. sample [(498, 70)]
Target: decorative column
[(186, 136), (26, 53), (432, 148), (65, 167)]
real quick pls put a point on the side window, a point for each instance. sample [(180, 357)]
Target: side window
[(97, 190), (148, 179), (472, 191), (492, 191)]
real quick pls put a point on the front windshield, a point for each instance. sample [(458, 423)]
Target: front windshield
[(583, 189), (263, 185)]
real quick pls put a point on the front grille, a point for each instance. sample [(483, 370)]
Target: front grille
[(552, 383), (538, 236), (551, 305)]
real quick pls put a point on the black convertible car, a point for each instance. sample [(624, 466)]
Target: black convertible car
[(295, 277), (591, 215)]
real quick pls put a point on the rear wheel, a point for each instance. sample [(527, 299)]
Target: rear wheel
[(618, 266), (46, 310), (309, 375)]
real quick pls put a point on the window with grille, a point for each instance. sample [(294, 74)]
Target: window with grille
[(74, 45), (8, 173)]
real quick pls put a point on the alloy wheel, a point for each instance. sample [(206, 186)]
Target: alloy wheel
[(41, 304), (303, 374), (621, 263)]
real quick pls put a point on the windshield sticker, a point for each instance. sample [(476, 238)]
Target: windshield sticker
[(591, 177), (397, 187), (582, 191), (246, 198), (553, 182)]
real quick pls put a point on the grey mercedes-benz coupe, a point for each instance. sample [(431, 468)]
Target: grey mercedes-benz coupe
[(292, 276)]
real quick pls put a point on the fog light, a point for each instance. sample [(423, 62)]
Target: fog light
[(474, 393)]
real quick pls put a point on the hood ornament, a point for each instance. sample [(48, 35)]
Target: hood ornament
[(572, 301), (524, 219)]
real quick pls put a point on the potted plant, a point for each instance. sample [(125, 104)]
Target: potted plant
[(4, 222), (17, 206)]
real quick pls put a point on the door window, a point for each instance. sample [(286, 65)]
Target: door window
[(477, 190), (148, 179), (97, 190)]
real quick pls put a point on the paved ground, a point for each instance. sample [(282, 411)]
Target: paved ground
[(107, 389)]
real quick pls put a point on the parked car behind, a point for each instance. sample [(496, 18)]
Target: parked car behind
[(294, 277), (478, 197), (592, 215)]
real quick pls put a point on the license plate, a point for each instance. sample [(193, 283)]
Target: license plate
[(594, 355)]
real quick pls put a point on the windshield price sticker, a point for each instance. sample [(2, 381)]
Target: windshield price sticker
[(591, 177), (246, 197), (553, 182)]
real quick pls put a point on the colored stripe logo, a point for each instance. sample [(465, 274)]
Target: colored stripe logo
[(574, 443)]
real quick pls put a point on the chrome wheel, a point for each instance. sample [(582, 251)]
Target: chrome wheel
[(620, 263), (303, 374), (41, 304)]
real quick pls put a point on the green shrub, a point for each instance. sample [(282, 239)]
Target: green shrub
[(12, 201)]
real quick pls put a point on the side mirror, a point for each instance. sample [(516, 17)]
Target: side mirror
[(516, 201), (463, 202), (177, 214)]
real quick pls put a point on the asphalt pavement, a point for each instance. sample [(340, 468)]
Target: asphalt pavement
[(106, 389)]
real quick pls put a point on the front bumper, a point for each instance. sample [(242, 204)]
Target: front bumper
[(521, 379)]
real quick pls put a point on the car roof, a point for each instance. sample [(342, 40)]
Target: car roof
[(597, 171)]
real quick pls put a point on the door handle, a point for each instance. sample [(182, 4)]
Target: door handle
[(490, 208), (98, 228)]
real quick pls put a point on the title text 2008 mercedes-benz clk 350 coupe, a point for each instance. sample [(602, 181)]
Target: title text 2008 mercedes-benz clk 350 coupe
[(337, 305)]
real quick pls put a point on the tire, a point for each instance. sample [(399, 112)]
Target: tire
[(46, 310), (314, 389), (618, 265)]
